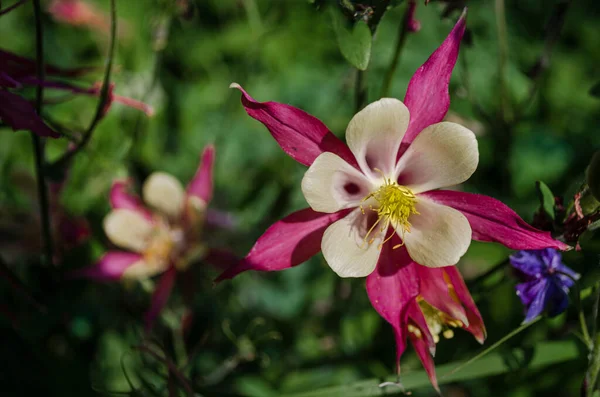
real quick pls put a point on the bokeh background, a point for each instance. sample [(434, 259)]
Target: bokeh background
[(303, 329)]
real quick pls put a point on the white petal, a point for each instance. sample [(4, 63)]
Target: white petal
[(442, 155), (374, 135), (439, 235), (331, 184), (128, 229), (165, 193), (144, 269), (345, 249)]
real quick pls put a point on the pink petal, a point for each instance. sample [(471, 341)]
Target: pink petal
[(121, 198), (424, 355), (110, 267), (427, 95), (391, 288), (493, 221), (302, 136), (202, 184), (160, 296), (434, 289), (287, 243), (415, 315), (19, 114), (476, 326)]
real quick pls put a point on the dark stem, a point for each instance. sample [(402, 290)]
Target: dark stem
[(361, 91), (402, 33), (104, 92), (171, 366), (38, 143), (9, 9), (503, 58)]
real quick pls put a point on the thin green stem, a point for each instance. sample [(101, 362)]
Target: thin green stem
[(502, 58), (104, 94), (591, 377), (584, 328), (402, 34), (492, 347), (361, 91), (38, 143)]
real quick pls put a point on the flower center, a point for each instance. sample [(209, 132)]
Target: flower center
[(160, 246), (438, 322), (395, 204)]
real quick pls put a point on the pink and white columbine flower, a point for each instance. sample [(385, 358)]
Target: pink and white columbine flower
[(163, 237), (376, 209)]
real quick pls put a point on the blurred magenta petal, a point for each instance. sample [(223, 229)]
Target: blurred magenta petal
[(160, 296), (434, 289), (413, 25), (19, 114), (121, 198), (94, 90), (427, 96), (287, 243), (110, 267), (493, 221), (202, 184), (18, 67), (392, 287), (476, 326), (302, 136), (79, 13)]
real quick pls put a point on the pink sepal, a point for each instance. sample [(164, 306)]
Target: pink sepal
[(493, 221), (427, 97), (287, 243), (302, 136)]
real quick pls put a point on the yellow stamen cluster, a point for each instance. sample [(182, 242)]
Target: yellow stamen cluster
[(438, 322), (159, 248), (395, 204)]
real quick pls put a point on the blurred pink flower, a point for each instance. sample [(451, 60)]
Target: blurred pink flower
[(377, 211), (162, 237), (79, 13), (17, 72)]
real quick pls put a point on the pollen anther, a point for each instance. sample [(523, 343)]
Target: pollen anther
[(395, 204)]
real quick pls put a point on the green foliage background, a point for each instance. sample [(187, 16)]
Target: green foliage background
[(302, 329)]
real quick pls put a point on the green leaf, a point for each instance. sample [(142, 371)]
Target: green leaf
[(544, 354), (355, 43), (546, 198)]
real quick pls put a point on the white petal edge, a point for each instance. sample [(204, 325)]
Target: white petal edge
[(144, 269), (374, 135), (439, 235), (128, 229), (324, 184), (345, 250), (165, 193), (443, 154)]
